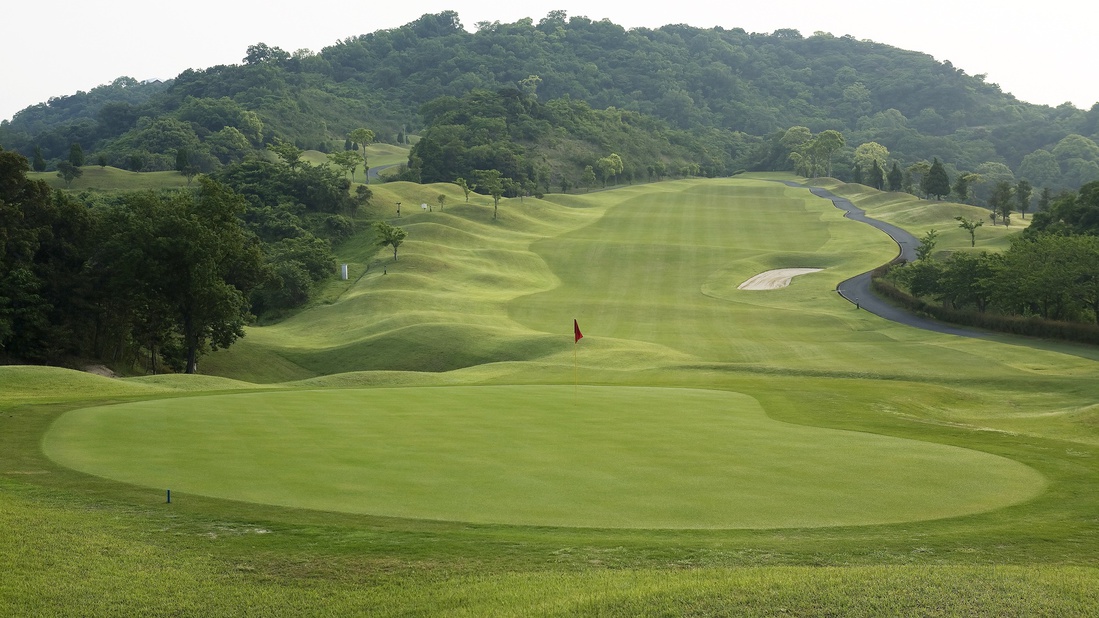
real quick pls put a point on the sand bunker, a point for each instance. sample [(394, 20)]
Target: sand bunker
[(774, 279)]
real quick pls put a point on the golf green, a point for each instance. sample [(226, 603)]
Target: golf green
[(616, 457)]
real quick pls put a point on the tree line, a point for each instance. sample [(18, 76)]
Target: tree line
[(1050, 274), (160, 278)]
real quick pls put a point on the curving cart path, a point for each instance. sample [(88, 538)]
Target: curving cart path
[(857, 289)]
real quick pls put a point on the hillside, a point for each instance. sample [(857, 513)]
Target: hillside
[(691, 79)]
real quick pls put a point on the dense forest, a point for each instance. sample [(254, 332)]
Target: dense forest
[(738, 93), (156, 279)]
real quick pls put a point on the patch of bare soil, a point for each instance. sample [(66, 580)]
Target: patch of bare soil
[(100, 370)]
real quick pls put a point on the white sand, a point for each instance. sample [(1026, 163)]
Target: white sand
[(774, 279)]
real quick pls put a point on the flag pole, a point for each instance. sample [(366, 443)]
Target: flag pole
[(576, 337)]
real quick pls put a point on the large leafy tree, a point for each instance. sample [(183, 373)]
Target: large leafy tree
[(184, 264)]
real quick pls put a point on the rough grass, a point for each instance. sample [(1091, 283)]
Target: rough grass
[(650, 273)]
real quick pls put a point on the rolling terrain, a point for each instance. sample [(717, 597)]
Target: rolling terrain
[(428, 439)]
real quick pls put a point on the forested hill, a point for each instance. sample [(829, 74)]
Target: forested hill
[(693, 79)]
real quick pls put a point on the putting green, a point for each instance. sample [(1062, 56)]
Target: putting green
[(533, 455)]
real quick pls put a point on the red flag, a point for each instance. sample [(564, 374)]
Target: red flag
[(576, 332)]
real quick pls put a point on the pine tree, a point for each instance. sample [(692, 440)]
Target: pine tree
[(877, 176), (936, 182), (896, 177)]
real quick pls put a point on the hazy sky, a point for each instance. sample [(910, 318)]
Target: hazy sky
[(1042, 52)]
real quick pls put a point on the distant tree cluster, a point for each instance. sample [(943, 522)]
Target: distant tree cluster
[(511, 132)]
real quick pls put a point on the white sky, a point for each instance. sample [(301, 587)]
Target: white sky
[(1042, 52)]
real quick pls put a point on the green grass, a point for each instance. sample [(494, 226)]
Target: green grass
[(462, 356), (604, 457), (108, 178)]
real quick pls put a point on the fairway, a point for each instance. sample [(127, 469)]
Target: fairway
[(605, 457)]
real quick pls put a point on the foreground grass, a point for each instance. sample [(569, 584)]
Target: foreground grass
[(651, 274)]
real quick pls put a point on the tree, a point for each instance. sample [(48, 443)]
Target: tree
[(185, 264), (961, 187), (44, 242), (1045, 198), (876, 177), (68, 172), (1000, 201), (466, 187), (442, 200), (915, 175), (794, 139), (184, 166), (1041, 168), (587, 178), (971, 227), (229, 145), (825, 145), (363, 137), (287, 152), (609, 167), (868, 153), (529, 85), (492, 182), (390, 236), (927, 245), (346, 160), (970, 279), (39, 164), (936, 182), (896, 177), (1023, 192), (260, 53), (76, 155)]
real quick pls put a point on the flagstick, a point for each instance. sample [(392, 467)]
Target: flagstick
[(575, 387)]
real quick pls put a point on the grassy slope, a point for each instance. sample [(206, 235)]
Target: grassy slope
[(504, 291), (97, 178)]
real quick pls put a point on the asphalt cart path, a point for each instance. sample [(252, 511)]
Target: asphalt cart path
[(857, 289)]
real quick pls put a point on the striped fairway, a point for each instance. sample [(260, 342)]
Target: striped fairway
[(613, 457)]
